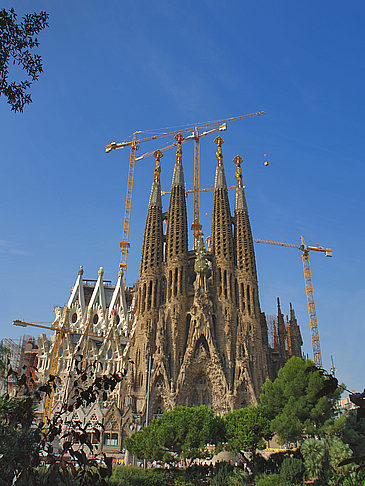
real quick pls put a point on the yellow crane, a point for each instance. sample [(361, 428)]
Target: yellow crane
[(55, 352), (305, 249), (134, 145)]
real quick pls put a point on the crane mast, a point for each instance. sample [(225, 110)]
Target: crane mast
[(317, 355)]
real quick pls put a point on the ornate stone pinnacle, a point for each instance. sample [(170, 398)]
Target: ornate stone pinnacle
[(179, 138), (101, 272), (219, 140), (157, 171), (238, 174)]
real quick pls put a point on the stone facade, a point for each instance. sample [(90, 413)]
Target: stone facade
[(199, 319)]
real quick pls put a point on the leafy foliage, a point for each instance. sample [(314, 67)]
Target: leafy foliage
[(292, 470), (16, 42), (246, 430), (182, 434), (322, 457), (18, 440), (295, 402)]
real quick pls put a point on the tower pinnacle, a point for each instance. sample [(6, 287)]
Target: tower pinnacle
[(219, 140), (178, 177), (155, 197), (157, 171)]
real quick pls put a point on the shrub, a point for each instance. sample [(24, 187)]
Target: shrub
[(292, 470), (269, 480), (223, 472)]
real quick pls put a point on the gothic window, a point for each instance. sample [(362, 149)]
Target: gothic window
[(225, 283), (143, 300), (149, 295), (248, 300), (181, 281), (175, 281), (110, 353), (169, 285), (155, 296), (254, 301)]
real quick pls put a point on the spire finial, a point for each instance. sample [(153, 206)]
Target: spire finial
[(238, 174), (81, 270), (101, 271), (179, 138), (157, 171), (219, 140)]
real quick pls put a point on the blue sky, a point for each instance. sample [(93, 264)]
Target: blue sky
[(115, 67)]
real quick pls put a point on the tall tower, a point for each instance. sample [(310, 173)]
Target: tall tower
[(176, 267), (252, 330), (223, 267), (150, 288)]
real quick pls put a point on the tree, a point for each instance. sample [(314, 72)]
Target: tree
[(16, 42), (322, 458), (19, 440), (295, 403), (246, 430), (182, 434)]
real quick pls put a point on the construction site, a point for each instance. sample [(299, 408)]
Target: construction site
[(191, 330)]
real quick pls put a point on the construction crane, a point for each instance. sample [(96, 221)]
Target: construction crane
[(134, 145), (305, 249), (55, 353)]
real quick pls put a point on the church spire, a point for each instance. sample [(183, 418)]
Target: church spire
[(240, 201), (152, 248), (178, 177), (220, 178), (177, 229), (155, 197), (245, 254), (222, 237)]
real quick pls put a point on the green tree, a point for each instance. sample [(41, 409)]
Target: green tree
[(182, 434), (246, 431), (353, 433), (293, 402), (16, 42), (321, 459), (19, 441)]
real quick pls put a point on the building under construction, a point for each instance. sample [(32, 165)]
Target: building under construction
[(191, 331)]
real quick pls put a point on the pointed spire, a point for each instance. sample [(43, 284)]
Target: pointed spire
[(220, 178), (178, 177), (155, 197), (240, 202), (279, 309)]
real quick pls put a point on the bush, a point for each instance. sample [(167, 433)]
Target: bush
[(292, 470), (238, 478), (270, 480), (136, 476), (223, 472)]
